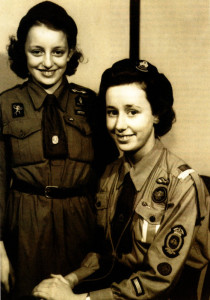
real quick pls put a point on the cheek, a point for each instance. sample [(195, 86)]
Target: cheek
[(110, 123)]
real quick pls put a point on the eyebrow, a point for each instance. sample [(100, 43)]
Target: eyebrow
[(127, 106)]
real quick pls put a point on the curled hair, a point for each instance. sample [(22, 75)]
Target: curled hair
[(54, 17), (157, 87)]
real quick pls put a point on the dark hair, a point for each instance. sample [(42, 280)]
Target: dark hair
[(156, 86), (53, 16)]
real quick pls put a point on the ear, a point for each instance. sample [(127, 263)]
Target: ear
[(156, 120), (71, 52)]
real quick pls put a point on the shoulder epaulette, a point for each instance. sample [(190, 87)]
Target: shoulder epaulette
[(78, 89), (185, 171)]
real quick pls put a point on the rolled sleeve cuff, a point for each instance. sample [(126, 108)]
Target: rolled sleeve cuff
[(105, 294)]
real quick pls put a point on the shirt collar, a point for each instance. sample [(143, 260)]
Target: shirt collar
[(141, 171), (38, 94)]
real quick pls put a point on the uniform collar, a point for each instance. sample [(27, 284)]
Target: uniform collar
[(141, 171), (38, 94)]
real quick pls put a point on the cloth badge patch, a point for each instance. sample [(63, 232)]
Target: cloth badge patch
[(164, 269), (174, 241), (163, 181), (159, 195), (79, 101), (17, 110), (137, 286)]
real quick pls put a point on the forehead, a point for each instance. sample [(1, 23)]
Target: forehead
[(43, 34), (126, 94)]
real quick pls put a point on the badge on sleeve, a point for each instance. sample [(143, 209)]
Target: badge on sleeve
[(79, 101), (174, 241), (163, 181), (159, 195), (164, 268), (17, 110), (137, 286)]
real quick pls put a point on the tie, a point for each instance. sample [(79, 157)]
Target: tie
[(122, 214), (54, 139)]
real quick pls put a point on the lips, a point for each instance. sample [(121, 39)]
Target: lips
[(47, 73), (124, 138)]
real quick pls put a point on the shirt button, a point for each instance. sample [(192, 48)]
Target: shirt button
[(71, 119), (21, 133), (121, 218), (152, 218), (98, 204), (144, 203)]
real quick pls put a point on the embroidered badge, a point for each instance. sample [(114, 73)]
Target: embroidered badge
[(78, 91), (143, 66), (137, 286), (164, 269), (174, 241), (159, 195), (79, 101), (80, 112), (17, 110), (163, 181)]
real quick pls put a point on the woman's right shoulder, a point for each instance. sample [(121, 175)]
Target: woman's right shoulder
[(13, 90)]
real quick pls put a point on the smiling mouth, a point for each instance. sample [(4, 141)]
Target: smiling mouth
[(47, 73), (124, 138)]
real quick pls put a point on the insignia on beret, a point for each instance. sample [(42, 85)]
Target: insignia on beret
[(174, 241), (17, 110), (143, 66), (164, 268), (79, 101), (137, 286), (163, 181), (159, 195)]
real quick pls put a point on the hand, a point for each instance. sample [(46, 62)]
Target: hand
[(56, 288), (6, 269)]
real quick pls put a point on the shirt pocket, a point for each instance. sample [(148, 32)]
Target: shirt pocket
[(148, 220), (101, 208), (25, 138), (79, 136)]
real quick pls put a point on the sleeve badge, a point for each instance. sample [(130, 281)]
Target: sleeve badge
[(174, 241)]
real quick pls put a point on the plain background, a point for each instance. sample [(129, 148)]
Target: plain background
[(174, 36)]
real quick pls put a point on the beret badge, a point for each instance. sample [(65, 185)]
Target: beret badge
[(142, 66)]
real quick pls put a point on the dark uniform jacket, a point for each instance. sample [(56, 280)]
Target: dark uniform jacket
[(44, 235), (170, 229)]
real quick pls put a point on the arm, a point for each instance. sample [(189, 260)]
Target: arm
[(6, 268), (164, 261)]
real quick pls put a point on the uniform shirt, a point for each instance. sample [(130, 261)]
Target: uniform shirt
[(45, 235), (165, 236)]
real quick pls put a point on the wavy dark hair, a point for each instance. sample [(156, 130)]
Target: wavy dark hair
[(54, 17), (157, 87)]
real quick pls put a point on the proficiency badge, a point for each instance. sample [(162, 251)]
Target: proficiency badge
[(17, 110), (137, 286), (163, 181), (174, 241), (164, 268), (79, 101), (55, 139), (80, 112), (159, 195)]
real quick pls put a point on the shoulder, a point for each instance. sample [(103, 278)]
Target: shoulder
[(13, 91), (110, 174)]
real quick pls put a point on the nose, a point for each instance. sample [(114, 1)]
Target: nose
[(47, 61), (121, 123)]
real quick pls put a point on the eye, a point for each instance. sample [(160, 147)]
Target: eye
[(132, 112), (36, 52), (58, 52), (112, 112)]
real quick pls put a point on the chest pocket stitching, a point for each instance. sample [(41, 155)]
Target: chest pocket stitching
[(23, 128), (146, 212), (81, 125)]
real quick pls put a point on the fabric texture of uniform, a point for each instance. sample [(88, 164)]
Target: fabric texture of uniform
[(45, 235), (170, 235)]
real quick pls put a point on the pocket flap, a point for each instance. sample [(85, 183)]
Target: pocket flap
[(101, 201), (148, 213), (22, 128), (81, 124)]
